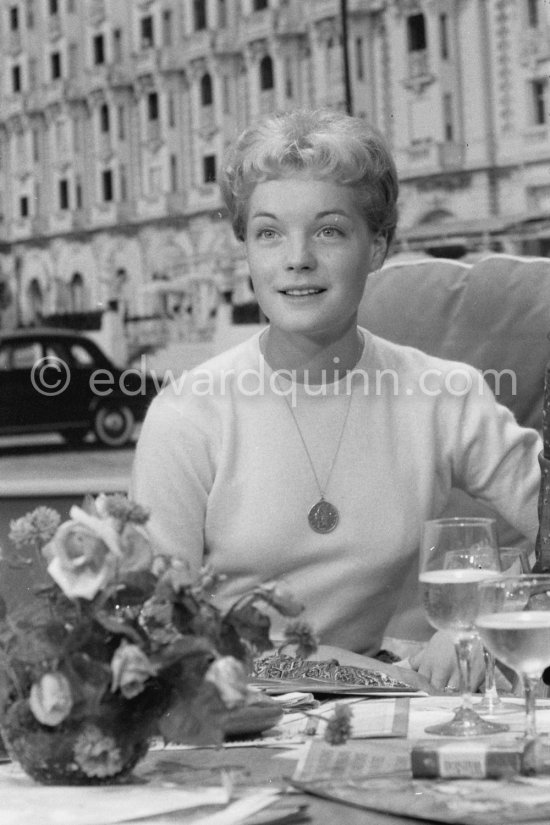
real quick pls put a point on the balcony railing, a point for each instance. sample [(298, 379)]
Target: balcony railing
[(418, 63), (96, 11), (451, 155), (14, 42), (54, 27), (198, 44), (146, 61)]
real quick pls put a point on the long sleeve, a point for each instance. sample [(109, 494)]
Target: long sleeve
[(172, 476)]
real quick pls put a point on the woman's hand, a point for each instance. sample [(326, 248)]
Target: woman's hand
[(437, 663)]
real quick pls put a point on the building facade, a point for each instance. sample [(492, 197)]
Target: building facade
[(115, 115)]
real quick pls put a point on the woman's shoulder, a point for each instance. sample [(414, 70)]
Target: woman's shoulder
[(206, 384), (383, 353)]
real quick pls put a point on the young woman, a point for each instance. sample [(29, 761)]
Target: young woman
[(314, 451)]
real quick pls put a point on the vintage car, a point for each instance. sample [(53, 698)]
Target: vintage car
[(61, 381)]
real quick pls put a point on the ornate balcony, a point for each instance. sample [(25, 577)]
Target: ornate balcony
[(146, 61), (14, 42), (198, 44), (451, 155), (54, 27), (534, 45), (96, 12)]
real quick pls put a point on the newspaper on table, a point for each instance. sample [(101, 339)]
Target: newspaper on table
[(376, 775)]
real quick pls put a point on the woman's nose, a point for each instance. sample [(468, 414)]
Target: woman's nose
[(299, 256)]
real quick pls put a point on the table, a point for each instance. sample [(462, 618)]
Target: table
[(256, 765)]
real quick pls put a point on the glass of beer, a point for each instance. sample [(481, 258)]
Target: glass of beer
[(514, 624), (455, 555)]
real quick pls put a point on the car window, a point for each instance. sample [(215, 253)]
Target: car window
[(5, 358), (25, 355), (81, 356)]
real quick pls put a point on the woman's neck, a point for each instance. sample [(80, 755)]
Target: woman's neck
[(312, 361)]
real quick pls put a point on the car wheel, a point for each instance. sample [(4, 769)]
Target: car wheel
[(74, 438), (113, 425)]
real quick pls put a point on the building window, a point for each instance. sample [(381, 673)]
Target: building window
[(73, 59), (30, 14), (14, 18), (222, 14), (167, 27), (107, 185), (359, 60), (76, 292), (123, 183), (78, 193), (533, 13), (121, 123), (24, 206), (35, 141), (226, 95), (71, 6), (32, 72), (416, 33), (444, 36), (104, 118), (540, 106), (117, 45), (288, 78), (266, 73), (259, 5), (209, 168), (173, 173), (63, 193), (206, 90), (147, 32), (16, 78), (53, 7), (171, 111), (448, 118), (200, 21), (98, 49), (55, 62), (153, 106)]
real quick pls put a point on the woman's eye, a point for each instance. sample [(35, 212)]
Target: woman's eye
[(266, 234), (330, 232)]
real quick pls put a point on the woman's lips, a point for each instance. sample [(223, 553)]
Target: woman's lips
[(302, 292)]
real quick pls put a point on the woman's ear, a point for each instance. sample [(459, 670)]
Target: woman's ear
[(379, 250)]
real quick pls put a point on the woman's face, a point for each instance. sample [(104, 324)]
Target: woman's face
[(309, 250)]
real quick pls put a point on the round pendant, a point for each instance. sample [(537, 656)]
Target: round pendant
[(323, 516)]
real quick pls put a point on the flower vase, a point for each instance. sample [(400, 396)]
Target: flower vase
[(95, 750)]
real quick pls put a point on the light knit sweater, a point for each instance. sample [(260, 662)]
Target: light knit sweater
[(221, 466)]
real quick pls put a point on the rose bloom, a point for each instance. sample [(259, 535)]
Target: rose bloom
[(229, 677), (130, 668), (136, 549), (81, 563), (51, 699)]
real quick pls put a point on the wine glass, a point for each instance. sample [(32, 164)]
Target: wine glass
[(456, 554), (514, 624), (512, 560)]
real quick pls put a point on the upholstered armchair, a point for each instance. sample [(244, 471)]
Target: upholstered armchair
[(495, 315)]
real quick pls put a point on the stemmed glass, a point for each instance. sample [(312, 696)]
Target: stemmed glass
[(455, 555), (514, 624), (512, 560)]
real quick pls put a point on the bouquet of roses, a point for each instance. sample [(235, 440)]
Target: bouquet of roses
[(119, 632)]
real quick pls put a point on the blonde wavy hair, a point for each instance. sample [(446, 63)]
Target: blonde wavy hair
[(328, 144)]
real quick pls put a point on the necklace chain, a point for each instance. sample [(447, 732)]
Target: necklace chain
[(322, 489), (323, 516)]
